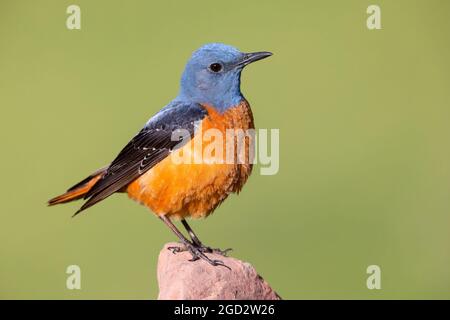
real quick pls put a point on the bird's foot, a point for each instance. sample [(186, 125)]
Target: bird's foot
[(174, 249), (224, 252), (197, 253)]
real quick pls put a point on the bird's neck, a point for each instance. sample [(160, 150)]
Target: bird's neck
[(221, 103), (221, 96)]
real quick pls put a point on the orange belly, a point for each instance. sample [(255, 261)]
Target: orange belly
[(194, 190)]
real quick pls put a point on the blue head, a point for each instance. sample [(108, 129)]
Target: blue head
[(213, 75)]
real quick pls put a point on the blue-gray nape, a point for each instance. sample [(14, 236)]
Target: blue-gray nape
[(212, 76)]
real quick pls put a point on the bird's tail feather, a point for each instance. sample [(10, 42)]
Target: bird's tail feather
[(79, 190)]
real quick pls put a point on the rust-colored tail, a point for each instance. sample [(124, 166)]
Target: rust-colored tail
[(79, 190)]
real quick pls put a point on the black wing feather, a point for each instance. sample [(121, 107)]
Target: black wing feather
[(150, 146)]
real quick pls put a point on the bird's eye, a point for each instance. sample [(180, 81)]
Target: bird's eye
[(215, 67)]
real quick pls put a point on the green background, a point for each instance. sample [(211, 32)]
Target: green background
[(364, 127)]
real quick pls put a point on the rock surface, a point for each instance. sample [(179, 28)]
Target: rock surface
[(181, 279)]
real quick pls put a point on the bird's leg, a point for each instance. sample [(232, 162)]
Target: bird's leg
[(192, 234), (196, 241), (195, 251)]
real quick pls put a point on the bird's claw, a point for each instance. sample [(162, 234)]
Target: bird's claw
[(215, 250), (176, 249), (199, 253)]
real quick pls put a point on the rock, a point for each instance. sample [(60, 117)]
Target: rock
[(181, 279)]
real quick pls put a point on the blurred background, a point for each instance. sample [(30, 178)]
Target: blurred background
[(364, 127)]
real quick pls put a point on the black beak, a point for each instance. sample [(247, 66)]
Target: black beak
[(254, 56)]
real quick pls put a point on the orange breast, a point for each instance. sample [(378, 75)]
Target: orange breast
[(196, 189)]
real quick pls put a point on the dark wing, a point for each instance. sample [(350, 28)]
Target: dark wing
[(151, 145)]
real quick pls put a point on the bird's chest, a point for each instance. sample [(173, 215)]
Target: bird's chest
[(195, 179)]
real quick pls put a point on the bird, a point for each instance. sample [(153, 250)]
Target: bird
[(209, 97)]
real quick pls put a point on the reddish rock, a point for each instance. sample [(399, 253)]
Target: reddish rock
[(180, 279)]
